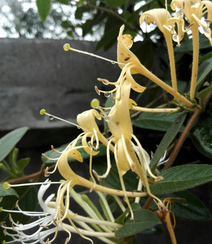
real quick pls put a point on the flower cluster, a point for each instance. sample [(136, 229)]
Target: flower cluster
[(127, 150)]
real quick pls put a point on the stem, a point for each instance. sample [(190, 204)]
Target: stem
[(171, 61), (195, 34), (169, 227)]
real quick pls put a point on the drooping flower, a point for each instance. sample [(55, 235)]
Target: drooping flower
[(44, 223), (126, 56), (166, 24), (194, 11)]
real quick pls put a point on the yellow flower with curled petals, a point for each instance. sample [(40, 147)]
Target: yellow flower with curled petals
[(127, 153), (166, 24), (194, 11), (126, 56)]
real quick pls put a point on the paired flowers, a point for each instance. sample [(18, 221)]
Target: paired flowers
[(123, 144)]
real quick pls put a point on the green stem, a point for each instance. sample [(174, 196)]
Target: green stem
[(195, 34)]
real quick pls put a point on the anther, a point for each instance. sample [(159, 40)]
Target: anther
[(97, 90), (95, 103), (104, 81), (66, 47), (6, 185)]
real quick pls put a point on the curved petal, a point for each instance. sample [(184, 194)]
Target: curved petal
[(87, 147), (119, 116), (87, 120), (124, 55), (158, 16), (186, 6)]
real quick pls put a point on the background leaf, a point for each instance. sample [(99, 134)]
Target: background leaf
[(8, 142), (204, 69), (180, 178), (201, 134), (7, 192), (43, 8), (143, 219), (156, 121), (167, 139), (189, 207)]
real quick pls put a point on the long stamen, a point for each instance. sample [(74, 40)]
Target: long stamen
[(67, 47), (43, 111), (7, 185)]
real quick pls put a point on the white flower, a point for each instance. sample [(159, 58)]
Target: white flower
[(44, 223)]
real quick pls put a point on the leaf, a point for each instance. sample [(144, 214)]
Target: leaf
[(43, 8), (143, 219), (201, 134), (180, 178), (116, 3), (189, 207), (8, 142), (7, 192), (66, 2), (144, 51), (156, 121), (186, 45), (204, 92), (22, 163), (204, 69), (167, 139), (112, 180)]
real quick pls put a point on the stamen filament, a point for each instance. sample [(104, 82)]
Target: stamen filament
[(67, 47), (43, 111)]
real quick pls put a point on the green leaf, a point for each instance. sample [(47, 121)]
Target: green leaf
[(156, 121), (116, 3), (112, 180), (186, 45), (7, 192), (180, 178), (109, 38), (43, 8), (189, 207), (167, 139), (22, 163), (66, 2), (143, 219), (201, 134), (144, 51), (204, 92), (8, 142), (204, 69)]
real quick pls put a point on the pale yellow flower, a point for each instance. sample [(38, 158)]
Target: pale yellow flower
[(166, 24), (126, 56), (194, 11)]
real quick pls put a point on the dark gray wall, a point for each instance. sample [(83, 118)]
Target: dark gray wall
[(38, 74)]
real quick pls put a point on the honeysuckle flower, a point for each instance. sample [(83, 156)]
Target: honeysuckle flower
[(195, 11), (72, 179), (50, 221), (128, 155), (166, 24), (125, 56), (45, 224)]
